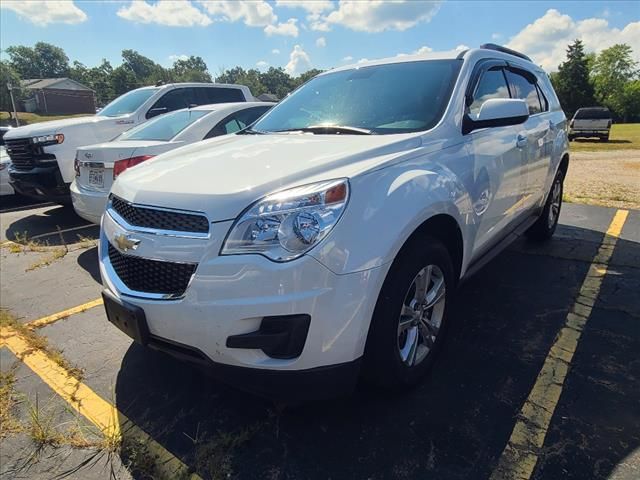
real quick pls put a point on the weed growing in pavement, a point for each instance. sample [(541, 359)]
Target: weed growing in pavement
[(38, 343), (9, 399)]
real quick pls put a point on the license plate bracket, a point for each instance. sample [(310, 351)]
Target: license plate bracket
[(127, 317), (96, 177)]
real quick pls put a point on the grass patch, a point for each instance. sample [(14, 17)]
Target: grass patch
[(9, 398), (624, 136), (38, 342), (51, 257), (30, 118)]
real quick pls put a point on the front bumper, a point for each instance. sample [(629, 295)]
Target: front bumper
[(588, 133), (42, 182), (231, 295), (88, 204)]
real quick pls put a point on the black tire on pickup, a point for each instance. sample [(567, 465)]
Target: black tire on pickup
[(604, 139)]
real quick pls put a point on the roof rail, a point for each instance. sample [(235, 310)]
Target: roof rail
[(500, 48)]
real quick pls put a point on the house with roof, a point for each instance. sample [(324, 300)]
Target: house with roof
[(59, 96)]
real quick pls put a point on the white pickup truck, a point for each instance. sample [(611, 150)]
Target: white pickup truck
[(591, 122), (43, 154)]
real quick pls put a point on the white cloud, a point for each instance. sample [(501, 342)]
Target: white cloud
[(348, 58), (380, 15), (168, 12), (174, 58), (546, 39), (299, 61), (262, 64), (311, 6), (320, 26), (496, 36), (254, 13), (288, 28), (321, 42), (275, 51), (43, 12)]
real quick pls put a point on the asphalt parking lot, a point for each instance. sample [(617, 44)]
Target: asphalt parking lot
[(463, 422)]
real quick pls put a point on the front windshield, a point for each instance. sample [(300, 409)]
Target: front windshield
[(127, 103), (383, 99), (164, 127)]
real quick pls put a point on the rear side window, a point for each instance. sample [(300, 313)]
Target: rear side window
[(237, 121), (219, 95), (525, 89), (492, 84)]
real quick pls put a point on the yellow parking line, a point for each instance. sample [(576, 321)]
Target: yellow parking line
[(520, 456), (41, 322), (85, 401)]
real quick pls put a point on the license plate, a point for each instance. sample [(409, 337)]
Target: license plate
[(128, 318), (96, 177)]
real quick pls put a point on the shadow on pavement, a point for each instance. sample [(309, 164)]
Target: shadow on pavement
[(88, 260), (453, 426), (45, 227)]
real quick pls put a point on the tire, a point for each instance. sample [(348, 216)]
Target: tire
[(604, 139), (571, 138), (545, 226), (387, 359)]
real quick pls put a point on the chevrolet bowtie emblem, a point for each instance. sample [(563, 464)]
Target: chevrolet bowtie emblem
[(125, 242)]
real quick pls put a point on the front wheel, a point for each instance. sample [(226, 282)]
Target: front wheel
[(410, 321), (546, 225)]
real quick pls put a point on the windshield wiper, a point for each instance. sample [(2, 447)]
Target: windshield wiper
[(250, 131), (329, 130)]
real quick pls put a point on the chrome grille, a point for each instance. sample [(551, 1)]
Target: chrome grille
[(148, 217), (24, 155), (151, 276)]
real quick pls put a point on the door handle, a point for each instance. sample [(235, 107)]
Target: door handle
[(521, 141)]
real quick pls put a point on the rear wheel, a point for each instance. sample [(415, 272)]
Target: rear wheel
[(546, 224), (604, 139), (409, 321)]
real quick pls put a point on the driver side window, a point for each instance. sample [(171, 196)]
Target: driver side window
[(492, 84)]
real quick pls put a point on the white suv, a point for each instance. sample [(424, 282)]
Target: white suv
[(326, 241)]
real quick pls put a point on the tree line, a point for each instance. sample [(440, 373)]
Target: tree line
[(44, 60), (610, 79)]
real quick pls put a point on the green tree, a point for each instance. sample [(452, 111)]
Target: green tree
[(571, 82), (9, 76), (42, 61), (277, 81), (192, 69), (612, 70), (124, 79), (251, 78), (631, 101)]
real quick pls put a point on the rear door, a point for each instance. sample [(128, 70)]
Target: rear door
[(535, 135)]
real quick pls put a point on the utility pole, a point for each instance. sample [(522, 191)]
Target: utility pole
[(13, 104)]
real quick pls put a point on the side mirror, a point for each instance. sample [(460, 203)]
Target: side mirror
[(498, 112), (154, 112)]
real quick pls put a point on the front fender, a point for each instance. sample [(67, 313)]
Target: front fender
[(388, 205)]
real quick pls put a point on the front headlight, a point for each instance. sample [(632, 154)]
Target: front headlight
[(287, 224), (43, 140)]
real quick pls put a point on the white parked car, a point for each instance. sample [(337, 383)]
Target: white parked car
[(97, 166), (42, 154), (327, 240), (5, 161)]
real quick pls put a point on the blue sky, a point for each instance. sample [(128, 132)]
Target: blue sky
[(299, 35)]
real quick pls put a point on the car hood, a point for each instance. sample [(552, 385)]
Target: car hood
[(60, 126), (223, 176)]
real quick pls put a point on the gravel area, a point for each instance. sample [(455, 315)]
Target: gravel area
[(610, 179)]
